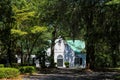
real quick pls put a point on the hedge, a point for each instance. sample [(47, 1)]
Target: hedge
[(1, 65), (27, 69), (9, 72)]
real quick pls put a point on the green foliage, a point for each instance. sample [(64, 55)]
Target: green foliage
[(27, 69), (1, 65), (97, 21), (113, 2), (6, 20), (38, 29), (24, 32), (22, 10), (18, 32), (66, 64), (9, 72)]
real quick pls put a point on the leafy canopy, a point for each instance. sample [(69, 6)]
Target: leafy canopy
[(37, 29), (18, 32), (112, 2)]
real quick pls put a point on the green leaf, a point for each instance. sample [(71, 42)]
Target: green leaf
[(18, 32), (113, 2), (38, 29)]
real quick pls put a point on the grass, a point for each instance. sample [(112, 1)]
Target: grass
[(115, 69)]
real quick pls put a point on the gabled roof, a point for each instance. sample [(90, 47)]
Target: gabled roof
[(76, 45)]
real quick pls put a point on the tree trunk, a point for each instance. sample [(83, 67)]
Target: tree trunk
[(90, 58), (113, 55), (9, 56), (52, 64)]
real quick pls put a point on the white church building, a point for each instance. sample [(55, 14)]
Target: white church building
[(69, 51)]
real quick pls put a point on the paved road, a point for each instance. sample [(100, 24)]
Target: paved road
[(75, 76)]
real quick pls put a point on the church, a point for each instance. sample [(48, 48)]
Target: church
[(69, 51)]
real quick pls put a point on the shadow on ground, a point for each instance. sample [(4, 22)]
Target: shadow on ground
[(72, 74)]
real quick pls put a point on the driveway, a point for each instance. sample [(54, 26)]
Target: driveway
[(66, 74)]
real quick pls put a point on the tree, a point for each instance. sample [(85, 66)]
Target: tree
[(113, 30), (6, 25), (52, 14)]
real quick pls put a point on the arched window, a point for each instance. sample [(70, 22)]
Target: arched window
[(59, 57)]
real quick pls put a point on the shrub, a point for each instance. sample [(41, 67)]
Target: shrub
[(1, 65), (22, 69), (30, 69), (66, 64), (27, 69), (9, 72)]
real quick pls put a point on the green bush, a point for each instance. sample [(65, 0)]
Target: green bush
[(1, 65), (27, 69), (66, 64), (9, 72), (22, 70)]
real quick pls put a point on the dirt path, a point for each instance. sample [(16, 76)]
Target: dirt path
[(66, 74)]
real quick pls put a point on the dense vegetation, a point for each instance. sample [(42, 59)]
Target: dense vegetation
[(9, 73), (27, 69), (26, 25)]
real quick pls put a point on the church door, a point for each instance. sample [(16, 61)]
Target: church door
[(59, 61)]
